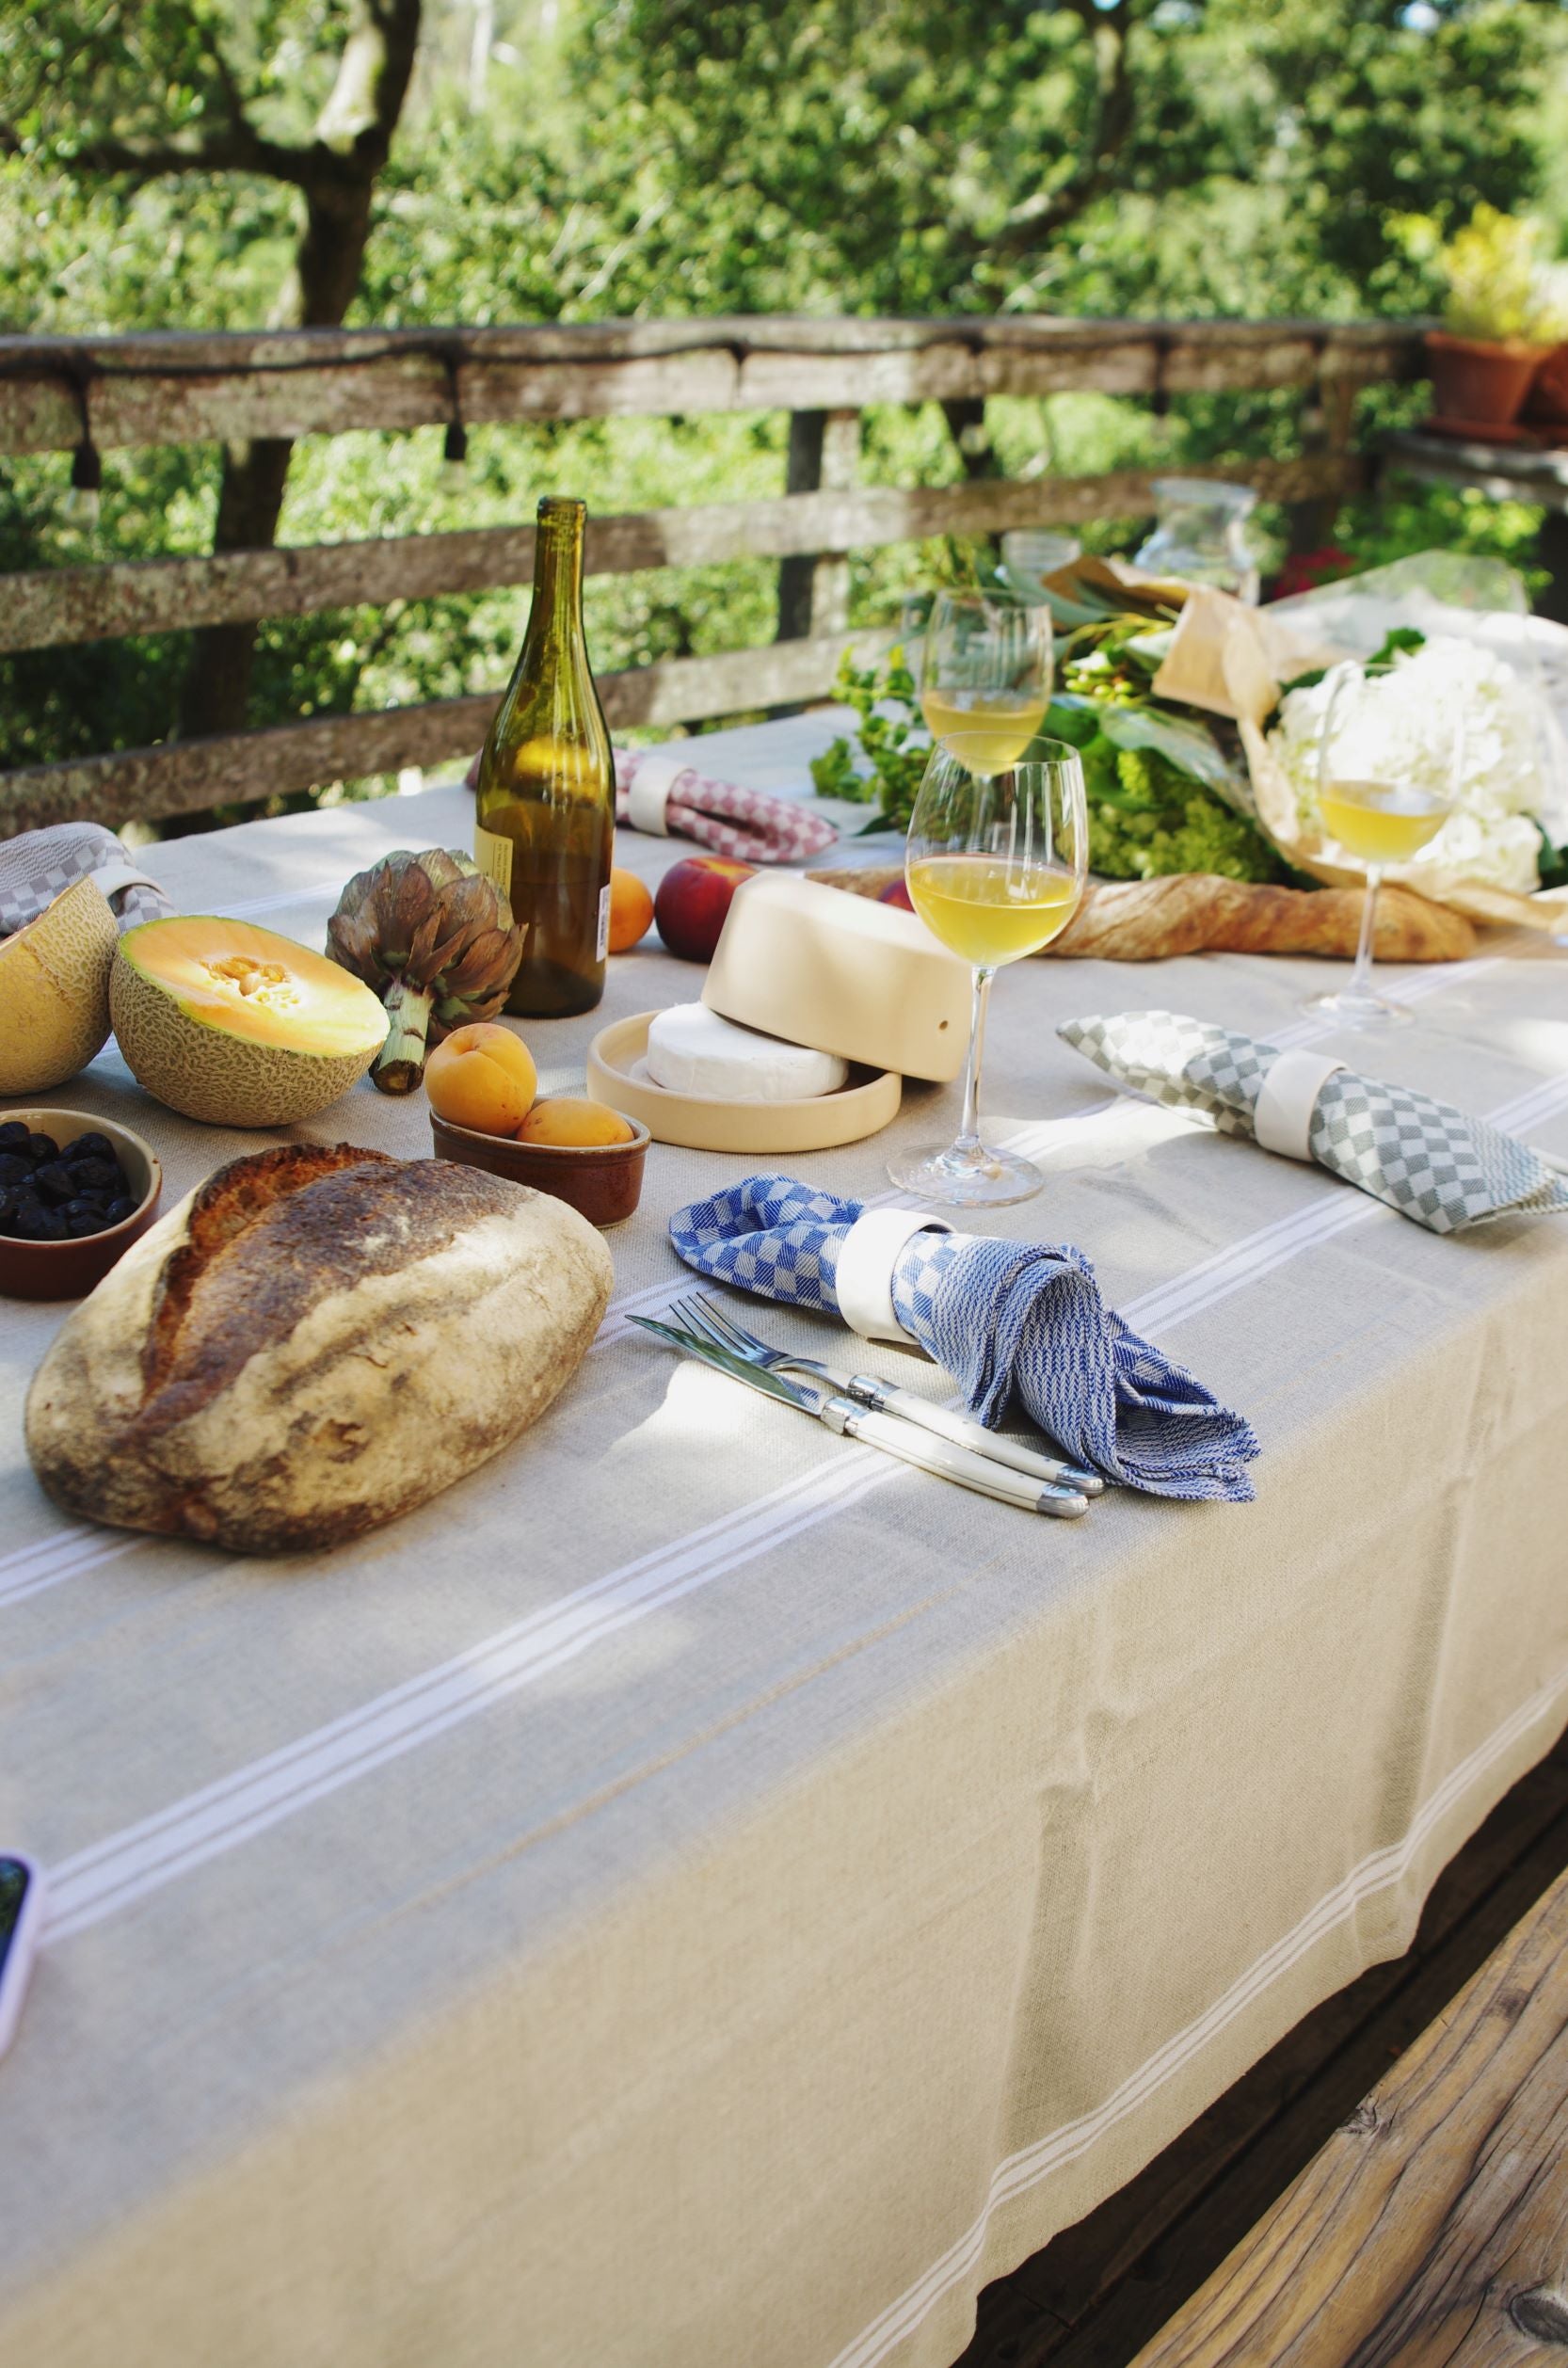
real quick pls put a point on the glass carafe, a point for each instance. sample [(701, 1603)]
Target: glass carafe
[(1200, 534)]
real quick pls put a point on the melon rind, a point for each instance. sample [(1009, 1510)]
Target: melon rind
[(215, 1075), (55, 990)]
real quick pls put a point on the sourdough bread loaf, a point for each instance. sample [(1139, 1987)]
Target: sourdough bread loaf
[(314, 1342)]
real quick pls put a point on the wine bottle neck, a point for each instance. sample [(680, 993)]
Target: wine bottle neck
[(557, 568)]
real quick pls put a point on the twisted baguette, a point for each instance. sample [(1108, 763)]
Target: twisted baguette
[(1196, 912)]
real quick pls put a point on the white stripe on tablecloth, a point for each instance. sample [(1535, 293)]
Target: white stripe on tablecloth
[(143, 1857), (72, 1552), (1027, 2168), (64, 1554), (92, 1884)]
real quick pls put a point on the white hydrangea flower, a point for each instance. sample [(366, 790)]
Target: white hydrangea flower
[(1405, 727)]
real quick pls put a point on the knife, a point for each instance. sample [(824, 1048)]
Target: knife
[(887, 1398), (886, 1430)]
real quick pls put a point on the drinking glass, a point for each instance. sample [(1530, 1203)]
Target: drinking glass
[(1201, 535), (1029, 557), (1379, 818), (984, 670), (995, 863)]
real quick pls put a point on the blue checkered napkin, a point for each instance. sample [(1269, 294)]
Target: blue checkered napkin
[(1018, 1325), (1425, 1158)]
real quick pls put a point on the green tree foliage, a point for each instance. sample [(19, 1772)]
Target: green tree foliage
[(699, 156)]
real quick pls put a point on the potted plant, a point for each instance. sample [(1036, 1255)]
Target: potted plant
[(1548, 403), (1495, 327)]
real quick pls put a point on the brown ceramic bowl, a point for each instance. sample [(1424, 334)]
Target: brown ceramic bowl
[(69, 1270), (603, 1181)]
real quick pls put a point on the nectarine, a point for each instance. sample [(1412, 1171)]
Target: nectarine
[(693, 899), (483, 1076)]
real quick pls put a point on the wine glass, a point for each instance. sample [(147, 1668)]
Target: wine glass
[(1379, 818), (985, 669), (995, 863)]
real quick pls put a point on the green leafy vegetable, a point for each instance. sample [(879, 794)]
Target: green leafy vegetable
[(1553, 863), (1148, 818), (1163, 795), (897, 767)]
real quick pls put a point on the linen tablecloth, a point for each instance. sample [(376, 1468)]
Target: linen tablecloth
[(698, 1891)]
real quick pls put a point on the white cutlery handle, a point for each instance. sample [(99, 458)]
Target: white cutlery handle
[(965, 1431), (928, 1454)]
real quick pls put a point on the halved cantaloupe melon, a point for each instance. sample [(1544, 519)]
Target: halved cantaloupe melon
[(55, 990), (236, 1026)]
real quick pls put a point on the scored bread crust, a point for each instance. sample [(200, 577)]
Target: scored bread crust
[(1198, 912), (313, 1342)]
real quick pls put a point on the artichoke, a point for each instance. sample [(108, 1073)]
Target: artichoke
[(436, 940)]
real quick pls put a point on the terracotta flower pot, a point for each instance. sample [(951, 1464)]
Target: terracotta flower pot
[(1548, 396), (1480, 383)]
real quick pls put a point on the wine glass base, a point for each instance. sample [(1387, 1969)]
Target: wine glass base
[(966, 1177), (1360, 1009)]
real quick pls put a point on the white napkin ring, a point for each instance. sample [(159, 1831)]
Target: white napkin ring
[(111, 877), (647, 799), (864, 1279), (1283, 1119)]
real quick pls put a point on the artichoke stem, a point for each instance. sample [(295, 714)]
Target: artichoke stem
[(400, 1062)]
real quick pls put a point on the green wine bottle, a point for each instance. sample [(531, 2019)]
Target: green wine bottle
[(546, 822)]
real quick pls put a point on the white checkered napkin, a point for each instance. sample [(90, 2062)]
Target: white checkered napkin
[(40, 864), (1427, 1160), (1020, 1327), (1432, 1163), (1186, 1063)]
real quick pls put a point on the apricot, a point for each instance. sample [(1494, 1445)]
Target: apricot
[(569, 1121), (483, 1076), (631, 911)]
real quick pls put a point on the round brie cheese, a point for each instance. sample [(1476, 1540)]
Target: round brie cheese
[(692, 1051)]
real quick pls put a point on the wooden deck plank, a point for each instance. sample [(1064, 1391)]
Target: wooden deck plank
[(1429, 2217), (1102, 2288)]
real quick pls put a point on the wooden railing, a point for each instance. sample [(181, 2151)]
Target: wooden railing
[(180, 389)]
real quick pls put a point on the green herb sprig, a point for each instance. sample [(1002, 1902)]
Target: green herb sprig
[(894, 782)]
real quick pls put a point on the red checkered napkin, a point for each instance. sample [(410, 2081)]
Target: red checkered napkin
[(661, 790)]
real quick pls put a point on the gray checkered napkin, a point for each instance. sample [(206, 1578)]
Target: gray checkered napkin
[(42, 864), (1432, 1163)]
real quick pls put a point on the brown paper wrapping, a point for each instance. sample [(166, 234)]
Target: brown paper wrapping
[(1230, 661)]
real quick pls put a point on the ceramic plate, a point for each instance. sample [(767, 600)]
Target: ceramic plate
[(701, 1122)]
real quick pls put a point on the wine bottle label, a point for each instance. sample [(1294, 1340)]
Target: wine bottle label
[(603, 946), (493, 855)]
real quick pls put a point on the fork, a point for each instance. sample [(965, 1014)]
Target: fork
[(705, 1316), (904, 1440)]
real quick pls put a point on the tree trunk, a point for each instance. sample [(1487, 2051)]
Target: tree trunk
[(354, 137), (216, 689), (965, 418)]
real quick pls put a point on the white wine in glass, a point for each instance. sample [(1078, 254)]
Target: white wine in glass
[(995, 865), (1379, 821), (985, 671)]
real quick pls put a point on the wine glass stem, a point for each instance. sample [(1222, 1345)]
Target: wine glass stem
[(969, 1132), (1361, 977)]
